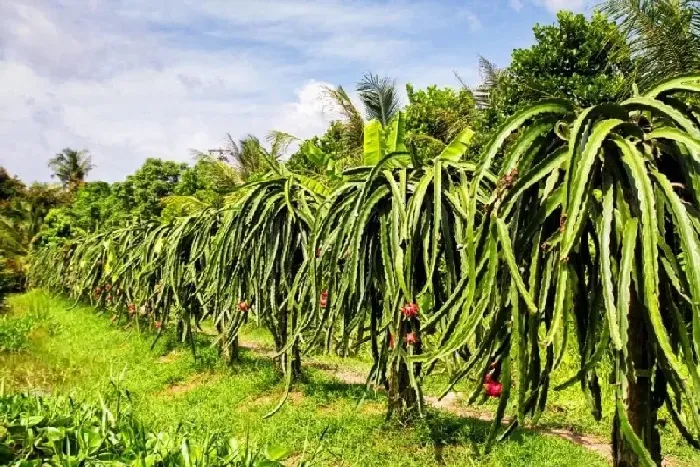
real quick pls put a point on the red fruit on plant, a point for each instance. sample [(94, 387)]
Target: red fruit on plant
[(491, 386), (109, 297), (323, 302), (98, 291), (158, 324), (131, 308), (243, 306), (392, 344), (493, 389), (108, 287), (318, 252), (410, 310), (411, 338)]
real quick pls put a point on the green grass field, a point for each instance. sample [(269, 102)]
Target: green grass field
[(74, 350)]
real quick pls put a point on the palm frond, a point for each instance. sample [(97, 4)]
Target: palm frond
[(353, 123), (665, 34), (279, 143), (379, 97)]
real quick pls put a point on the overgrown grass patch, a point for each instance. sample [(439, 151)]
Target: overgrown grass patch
[(168, 387)]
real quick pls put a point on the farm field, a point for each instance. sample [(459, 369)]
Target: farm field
[(74, 350), (350, 233)]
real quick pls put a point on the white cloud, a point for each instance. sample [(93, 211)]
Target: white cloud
[(573, 5), (517, 5), (129, 79), (472, 20)]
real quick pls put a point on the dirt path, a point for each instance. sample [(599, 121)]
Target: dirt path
[(453, 402)]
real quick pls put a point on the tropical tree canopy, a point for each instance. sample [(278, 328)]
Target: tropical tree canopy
[(71, 167), (434, 116), (379, 97), (663, 34), (585, 61)]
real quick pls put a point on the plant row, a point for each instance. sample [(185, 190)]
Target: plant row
[(583, 219)]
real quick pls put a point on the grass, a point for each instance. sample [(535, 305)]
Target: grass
[(74, 350)]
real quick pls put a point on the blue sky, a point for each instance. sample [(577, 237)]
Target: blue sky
[(131, 79)]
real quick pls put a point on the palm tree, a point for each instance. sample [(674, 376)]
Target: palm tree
[(379, 97), (665, 34), (491, 75), (71, 167), (240, 162), (380, 101)]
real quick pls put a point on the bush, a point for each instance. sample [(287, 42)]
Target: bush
[(12, 278), (36, 431), (14, 333)]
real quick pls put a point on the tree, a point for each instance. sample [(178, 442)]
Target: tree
[(663, 34), (140, 196), (379, 97), (22, 213), (11, 188), (205, 185), (71, 167), (491, 77), (591, 219), (435, 116), (380, 101), (249, 157), (587, 62), (89, 210), (325, 156)]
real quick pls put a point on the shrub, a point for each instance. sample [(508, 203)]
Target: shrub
[(14, 333), (38, 431)]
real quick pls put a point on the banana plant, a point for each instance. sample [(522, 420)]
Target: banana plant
[(389, 255), (591, 227)]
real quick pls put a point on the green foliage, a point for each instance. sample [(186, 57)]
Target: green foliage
[(585, 61), (664, 35), (22, 212), (158, 191), (259, 261), (71, 167), (38, 430), (167, 390), (89, 210), (14, 332), (325, 156), (10, 187), (434, 116), (381, 241), (379, 97), (139, 197), (249, 157), (584, 224)]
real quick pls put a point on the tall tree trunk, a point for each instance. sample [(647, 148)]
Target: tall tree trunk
[(639, 400)]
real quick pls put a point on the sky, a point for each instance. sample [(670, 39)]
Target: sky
[(132, 79)]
